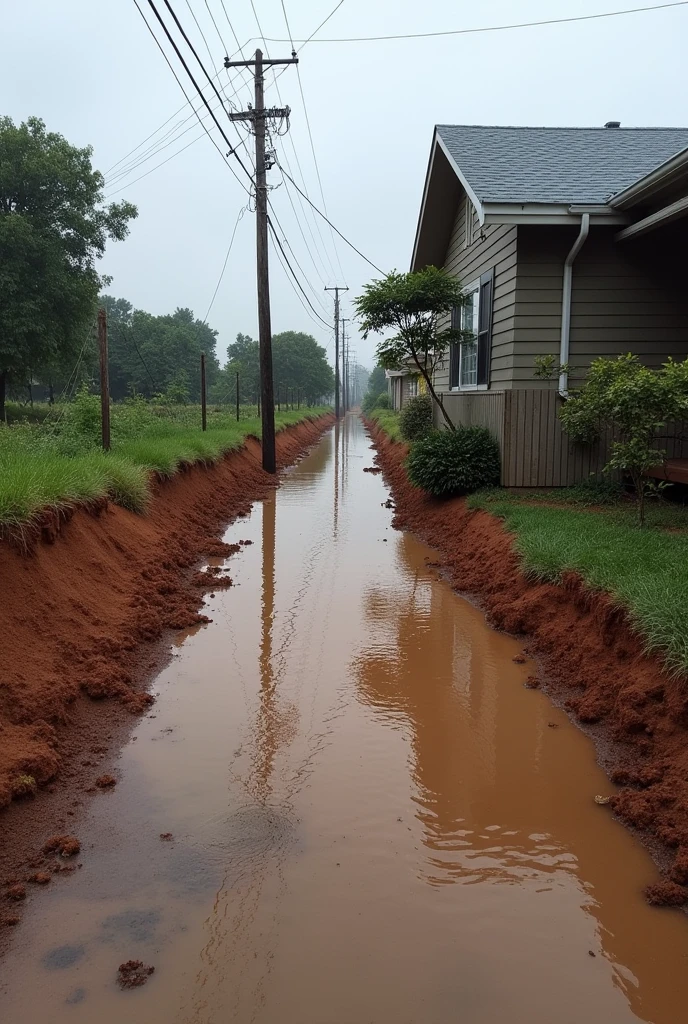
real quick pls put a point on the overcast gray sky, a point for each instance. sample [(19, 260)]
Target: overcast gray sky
[(91, 70)]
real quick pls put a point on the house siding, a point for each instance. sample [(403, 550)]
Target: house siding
[(626, 297), (492, 246)]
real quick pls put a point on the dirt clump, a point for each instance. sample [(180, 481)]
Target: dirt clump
[(66, 846), (666, 894), (593, 661), (133, 974), (10, 921), (40, 878), (16, 892), (105, 782), (166, 837)]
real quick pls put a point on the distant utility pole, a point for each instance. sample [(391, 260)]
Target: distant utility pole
[(345, 358), (104, 380), (337, 289), (257, 117), (353, 376)]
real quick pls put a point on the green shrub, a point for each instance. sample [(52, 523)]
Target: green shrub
[(448, 462), (383, 401), (415, 420)]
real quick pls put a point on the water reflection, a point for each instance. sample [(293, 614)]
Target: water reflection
[(496, 796), (431, 671)]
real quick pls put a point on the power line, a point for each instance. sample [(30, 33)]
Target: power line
[(492, 28), (298, 295), (286, 22), (236, 40), (188, 42), (239, 76), (286, 242), (148, 154), (296, 156), (145, 175), (145, 364), (293, 274), (167, 60), (321, 25), (350, 244), (315, 161), (310, 135), (241, 213), (308, 248)]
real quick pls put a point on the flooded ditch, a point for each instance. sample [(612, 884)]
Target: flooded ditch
[(367, 817)]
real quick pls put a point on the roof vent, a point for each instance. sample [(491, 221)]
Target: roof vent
[(613, 124)]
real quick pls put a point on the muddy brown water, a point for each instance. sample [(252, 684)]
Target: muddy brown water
[(373, 820)]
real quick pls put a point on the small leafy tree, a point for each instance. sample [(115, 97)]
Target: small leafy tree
[(546, 367), (415, 306), (632, 403)]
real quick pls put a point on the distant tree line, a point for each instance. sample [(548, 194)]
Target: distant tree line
[(53, 229), (298, 362)]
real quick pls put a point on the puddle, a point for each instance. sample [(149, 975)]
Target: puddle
[(348, 809)]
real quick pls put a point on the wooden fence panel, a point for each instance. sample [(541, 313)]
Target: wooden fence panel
[(536, 452)]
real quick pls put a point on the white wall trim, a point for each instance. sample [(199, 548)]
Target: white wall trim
[(462, 178), (655, 220)]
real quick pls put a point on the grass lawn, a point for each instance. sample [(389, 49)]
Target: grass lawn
[(57, 463), (388, 421), (645, 570)]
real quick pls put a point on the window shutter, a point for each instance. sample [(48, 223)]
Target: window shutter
[(485, 326), (454, 349)]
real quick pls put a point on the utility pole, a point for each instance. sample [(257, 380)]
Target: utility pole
[(336, 289), (345, 357), (257, 116), (104, 380)]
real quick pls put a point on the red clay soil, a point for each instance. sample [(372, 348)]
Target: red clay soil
[(592, 663), (83, 612)]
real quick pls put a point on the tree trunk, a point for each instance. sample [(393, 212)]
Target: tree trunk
[(51, 394), (426, 377), (3, 388)]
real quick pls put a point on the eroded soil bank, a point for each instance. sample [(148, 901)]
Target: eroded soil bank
[(345, 805), (82, 615), (593, 663)]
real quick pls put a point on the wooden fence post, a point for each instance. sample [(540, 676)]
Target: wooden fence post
[(104, 380), (204, 416)]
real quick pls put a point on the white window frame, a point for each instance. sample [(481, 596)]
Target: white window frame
[(473, 287)]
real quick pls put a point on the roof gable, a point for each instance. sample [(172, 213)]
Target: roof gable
[(556, 165)]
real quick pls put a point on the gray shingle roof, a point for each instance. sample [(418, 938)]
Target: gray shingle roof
[(557, 165)]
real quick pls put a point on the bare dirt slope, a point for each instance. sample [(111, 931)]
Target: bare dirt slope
[(82, 613)]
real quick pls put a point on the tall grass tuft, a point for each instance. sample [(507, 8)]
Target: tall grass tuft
[(57, 464)]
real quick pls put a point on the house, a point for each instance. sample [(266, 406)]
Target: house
[(570, 243), (403, 385)]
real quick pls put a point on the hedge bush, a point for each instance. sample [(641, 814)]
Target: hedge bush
[(370, 401), (383, 401), (416, 418), (446, 462)]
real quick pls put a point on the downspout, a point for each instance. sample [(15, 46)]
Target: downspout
[(566, 303)]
